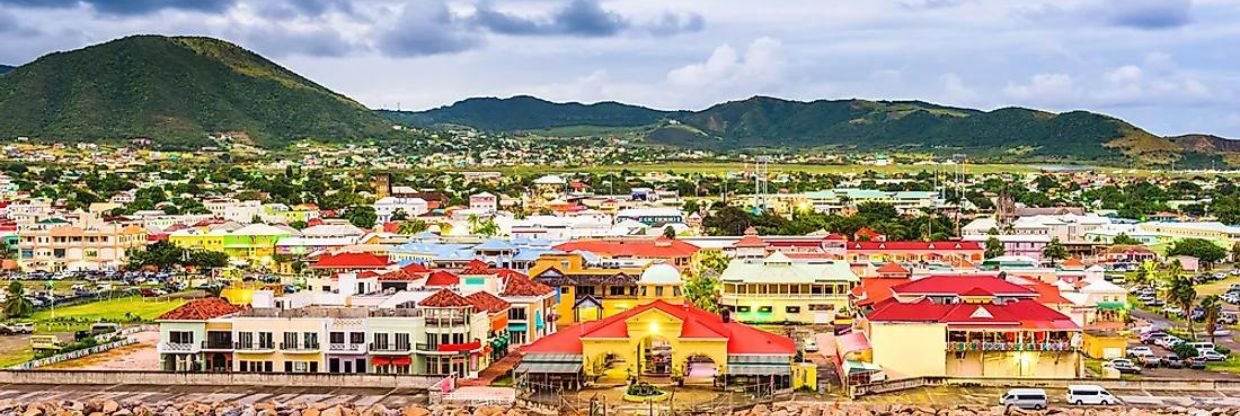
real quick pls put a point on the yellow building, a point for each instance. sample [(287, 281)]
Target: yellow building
[(591, 288), (779, 289), (659, 339), (966, 326), (87, 244)]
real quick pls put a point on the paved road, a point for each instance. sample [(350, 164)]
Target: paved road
[(228, 394)]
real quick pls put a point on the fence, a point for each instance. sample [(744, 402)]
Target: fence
[(30, 365), (1172, 384), (112, 377)]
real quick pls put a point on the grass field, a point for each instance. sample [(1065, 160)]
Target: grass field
[(114, 310)]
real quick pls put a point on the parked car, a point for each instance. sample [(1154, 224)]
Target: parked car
[(1168, 341), (17, 328), (1211, 355), (1152, 337), (1090, 394), (1195, 363), (1172, 310), (1124, 366), (1229, 318), (1025, 399), (1146, 359), (1172, 361), (1138, 350), (811, 345)]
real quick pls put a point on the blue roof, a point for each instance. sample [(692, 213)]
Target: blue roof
[(494, 244)]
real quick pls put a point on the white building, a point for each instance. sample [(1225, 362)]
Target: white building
[(386, 208), (484, 201)]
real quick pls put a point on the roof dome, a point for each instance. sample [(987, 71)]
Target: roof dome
[(661, 274)]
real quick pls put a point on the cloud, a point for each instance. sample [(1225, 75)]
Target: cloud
[(278, 41), (128, 7), (1134, 14), (762, 63), (12, 26), (586, 18), (1043, 88), (291, 9), (955, 91), (426, 27)]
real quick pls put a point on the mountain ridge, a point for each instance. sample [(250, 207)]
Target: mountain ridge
[(770, 122), (177, 91)]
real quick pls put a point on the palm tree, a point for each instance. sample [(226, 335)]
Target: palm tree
[(1211, 309), (413, 226), (17, 306), (1141, 277), (1183, 294)]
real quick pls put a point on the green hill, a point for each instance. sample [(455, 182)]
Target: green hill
[(765, 122), (5, 68), (528, 113), (175, 91)]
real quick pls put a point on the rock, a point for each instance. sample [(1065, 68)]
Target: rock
[(332, 411), (123, 412), (412, 411), (109, 406), (489, 411), (311, 412)]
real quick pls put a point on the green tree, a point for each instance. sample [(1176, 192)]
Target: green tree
[(702, 287), (16, 305), (994, 247), (1183, 294), (1124, 240), (362, 216), (298, 225), (669, 232), (1055, 251), (1211, 309), (1202, 249), (411, 227), (400, 215), (728, 220), (1141, 277)]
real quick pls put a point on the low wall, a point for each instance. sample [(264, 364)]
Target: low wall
[(1173, 384), (80, 377)]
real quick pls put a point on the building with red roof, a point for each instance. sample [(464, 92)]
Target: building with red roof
[(938, 252), (659, 339), (533, 306), (442, 279), (185, 342), (350, 261), (967, 326), (676, 252)]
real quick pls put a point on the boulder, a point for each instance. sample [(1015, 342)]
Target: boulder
[(123, 412), (109, 406), (412, 411)]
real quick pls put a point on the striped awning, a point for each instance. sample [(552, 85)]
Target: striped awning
[(548, 368)]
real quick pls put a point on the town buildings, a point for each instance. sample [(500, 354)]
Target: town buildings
[(778, 289), (88, 243)]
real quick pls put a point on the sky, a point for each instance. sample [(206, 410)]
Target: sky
[(1169, 66)]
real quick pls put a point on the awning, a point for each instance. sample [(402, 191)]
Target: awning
[(402, 361), (852, 342), (380, 361), (1112, 306), (549, 368), (518, 327), (759, 370)]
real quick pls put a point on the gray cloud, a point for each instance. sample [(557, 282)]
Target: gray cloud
[(1147, 14), (290, 9), (426, 28), (585, 18), (127, 7), (278, 41)]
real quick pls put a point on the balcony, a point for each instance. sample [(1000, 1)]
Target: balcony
[(220, 345), (446, 320), (178, 348), (390, 348), (448, 348), (346, 348), (300, 347), (255, 347), (1010, 346)]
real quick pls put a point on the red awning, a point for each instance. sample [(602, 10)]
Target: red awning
[(402, 361), (380, 361), (469, 346)]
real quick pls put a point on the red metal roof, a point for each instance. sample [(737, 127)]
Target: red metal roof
[(892, 267), (488, 302), (695, 323), (874, 290), (476, 266), (351, 261), (201, 310), (442, 278), (1024, 313), (445, 298), (661, 247), (749, 241), (1048, 294), (415, 268), (914, 245), (524, 286), (957, 285)]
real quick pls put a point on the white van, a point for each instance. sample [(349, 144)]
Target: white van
[(1024, 399), (1090, 394), (1208, 346)]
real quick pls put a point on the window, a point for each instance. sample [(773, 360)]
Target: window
[(516, 314), (245, 339), (265, 340), (615, 290), (381, 341), (658, 291), (357, 338), (676, 291), (764, 309), (310, 339), (742, 309), (563, 290), (585, 290), (792, 309), (402, 341), (336, 337), (290, 340), (181, 337)]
